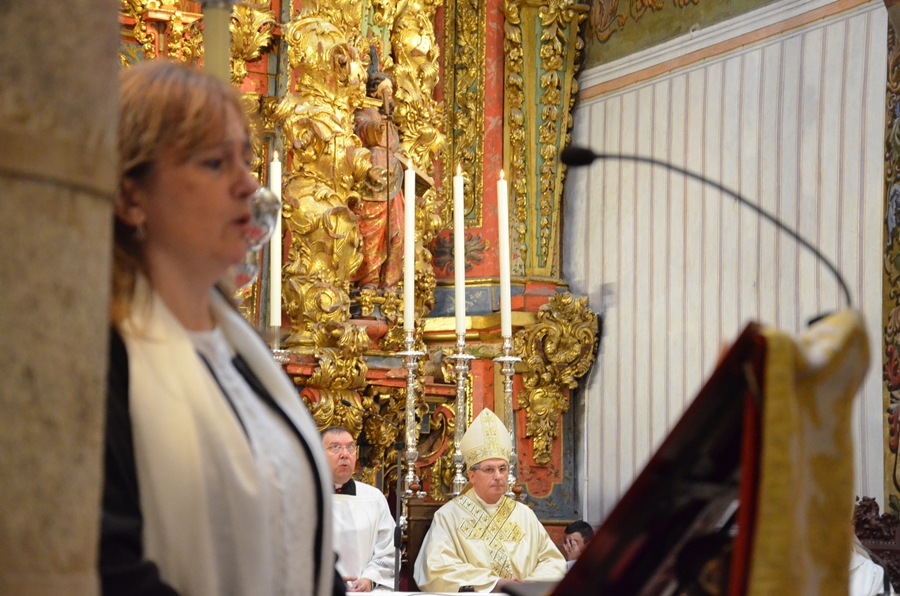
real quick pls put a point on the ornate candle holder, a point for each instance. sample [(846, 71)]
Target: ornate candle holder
[(508, 368), (411, 485), (462, 371)]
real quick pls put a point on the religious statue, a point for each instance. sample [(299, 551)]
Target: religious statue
[(380, 204)]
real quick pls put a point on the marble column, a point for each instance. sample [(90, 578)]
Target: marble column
[(57, 177)]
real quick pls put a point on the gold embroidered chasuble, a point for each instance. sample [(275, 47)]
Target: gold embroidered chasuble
[(468, 546)]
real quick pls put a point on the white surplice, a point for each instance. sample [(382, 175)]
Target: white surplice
[(363, 536)]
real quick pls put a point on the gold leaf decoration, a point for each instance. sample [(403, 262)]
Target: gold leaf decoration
[(557, 350)]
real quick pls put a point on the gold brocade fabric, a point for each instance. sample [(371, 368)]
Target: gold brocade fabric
[(493, 529), (467, 546), (805, 500)]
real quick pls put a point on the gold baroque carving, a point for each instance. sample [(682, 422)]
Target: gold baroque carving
[(326, 407), (558, 18), (144, 36), (606, 20), (380, 434), (513, 47), (543, 37), (340, 373), (442, 473), (557, 350), (464, 100), (328, 164), (251, 31), (415, 72), (383, 12)]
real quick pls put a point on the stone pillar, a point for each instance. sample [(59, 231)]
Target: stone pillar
[(58, 100)]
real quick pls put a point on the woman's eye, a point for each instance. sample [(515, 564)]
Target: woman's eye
[(214, 163)]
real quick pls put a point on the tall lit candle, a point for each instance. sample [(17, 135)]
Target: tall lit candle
[(409, 250), (275, 248), (459, 250), (217, 38), (504, 256)]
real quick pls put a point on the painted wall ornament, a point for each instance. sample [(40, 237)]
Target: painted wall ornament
[(605, 18)]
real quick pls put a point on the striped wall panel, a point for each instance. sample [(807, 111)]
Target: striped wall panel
[(795, 124)]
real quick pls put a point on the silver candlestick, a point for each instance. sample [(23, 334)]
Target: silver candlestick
[(508, 368), (462, 371), (411, 485), (281, 355)]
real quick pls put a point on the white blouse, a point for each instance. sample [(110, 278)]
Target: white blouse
[(283, 469)]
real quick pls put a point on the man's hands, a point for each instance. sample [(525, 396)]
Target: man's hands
[(498, 587), (358, 584), (572, 548)]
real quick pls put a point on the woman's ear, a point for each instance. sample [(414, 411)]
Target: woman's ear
[(127, 204)]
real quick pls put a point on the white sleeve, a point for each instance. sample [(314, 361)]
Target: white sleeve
[(380, 568)]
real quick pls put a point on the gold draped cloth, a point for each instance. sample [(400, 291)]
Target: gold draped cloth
[(803, 533), (469, 546)]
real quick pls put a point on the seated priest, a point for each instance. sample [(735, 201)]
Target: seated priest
[(482, 539), (363, 526)]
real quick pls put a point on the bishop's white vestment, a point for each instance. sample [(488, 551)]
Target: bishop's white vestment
[(363, 536), (474, 544)]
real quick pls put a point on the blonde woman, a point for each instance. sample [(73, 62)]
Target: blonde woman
[(215, 479)]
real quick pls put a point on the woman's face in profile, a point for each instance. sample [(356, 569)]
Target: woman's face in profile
[(198, 209)]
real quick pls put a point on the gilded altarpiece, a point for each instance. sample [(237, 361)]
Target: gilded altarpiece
[(351, 93)]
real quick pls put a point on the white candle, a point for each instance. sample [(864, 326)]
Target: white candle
[(217, 40), (459, 251), (504, 256), (275, 248), (409, 251)]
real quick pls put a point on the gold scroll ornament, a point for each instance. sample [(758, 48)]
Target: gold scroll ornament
[(557, 350)]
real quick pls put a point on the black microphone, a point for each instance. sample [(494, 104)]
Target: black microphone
[(577, 156), (368, 413), (581, 156)]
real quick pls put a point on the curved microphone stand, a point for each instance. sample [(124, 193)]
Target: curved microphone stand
[(581, 156)]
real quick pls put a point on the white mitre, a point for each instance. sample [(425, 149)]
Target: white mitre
[(486, 438)]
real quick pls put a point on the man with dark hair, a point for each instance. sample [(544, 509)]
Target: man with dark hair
[(577, 534), (363, 526)]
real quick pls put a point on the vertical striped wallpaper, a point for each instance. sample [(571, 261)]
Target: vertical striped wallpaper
[(795, 125)]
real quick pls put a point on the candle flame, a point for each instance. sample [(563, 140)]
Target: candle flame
[(458, 169), (501, 173), (276, 156)]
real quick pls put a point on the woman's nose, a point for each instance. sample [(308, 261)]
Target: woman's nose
[(248, 183)]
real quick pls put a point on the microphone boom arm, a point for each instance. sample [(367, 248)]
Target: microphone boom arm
[(577, 156)]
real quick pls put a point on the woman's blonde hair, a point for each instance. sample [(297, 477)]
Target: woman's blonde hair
[(165, 107)]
